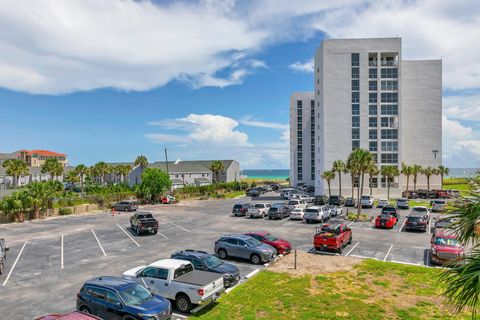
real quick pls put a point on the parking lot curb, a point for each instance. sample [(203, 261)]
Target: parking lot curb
[(251, 274)]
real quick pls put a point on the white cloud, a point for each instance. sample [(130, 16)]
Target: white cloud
[(305, 67), (209, 136), (59, 47), (205, 128), (461, 144), (463, 107)]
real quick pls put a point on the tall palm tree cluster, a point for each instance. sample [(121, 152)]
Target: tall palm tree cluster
[(360, 163)]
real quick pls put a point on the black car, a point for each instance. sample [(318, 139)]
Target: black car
[(240, 209), (3, 254), (320, 200), (254, 192), (416, 221), (201, 260), (350, 202), (119, 298), (275, 187), (336, 200)]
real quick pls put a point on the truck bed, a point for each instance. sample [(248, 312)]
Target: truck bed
[(198, 278)]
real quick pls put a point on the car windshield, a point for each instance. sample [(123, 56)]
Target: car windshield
[(270, 237), (443, 223), (414, 219), (331, 229), (402, 200), (237, 206), (312, 212), (212, 262), (135, 295), (259, 205), (293, 202), (365, 197), (253, 242), (420, 209), (447, 242), (388, 210), (439, 202)]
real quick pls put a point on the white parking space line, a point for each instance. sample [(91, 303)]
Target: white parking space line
[(176, 225), (349, 251), (348, 225), (162, 235), (362, 257), (61, 253), (388, 252), (409, 263), (128, 235), (405, 220), (14, 264), (99, 244)]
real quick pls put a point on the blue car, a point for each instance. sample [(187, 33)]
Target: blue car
[(118, 298)]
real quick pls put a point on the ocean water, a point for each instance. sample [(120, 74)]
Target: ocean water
[(284, 173), (266, 174)]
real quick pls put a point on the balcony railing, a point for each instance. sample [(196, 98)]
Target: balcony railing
[(372, 63), (389, 64)]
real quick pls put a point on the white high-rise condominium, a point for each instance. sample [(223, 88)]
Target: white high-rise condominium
[(302, 138), (367, 97)]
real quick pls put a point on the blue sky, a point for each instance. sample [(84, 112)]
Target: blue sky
[(207, 79)]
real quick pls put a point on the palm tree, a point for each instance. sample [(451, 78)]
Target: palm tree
[(389, 172), (100, 170), (82, 171), (328, 176), (407, 172), (428, 172), (12, 205), (372, 172), (15, 168), (216, 167), (360, 159), (443, 171), (53, 167), (461, 282), (339, 167), (72, 177), (122, 171), (353, 172), (416, 170), (39, 194), (142, 162)]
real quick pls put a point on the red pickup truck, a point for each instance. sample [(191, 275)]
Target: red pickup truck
[(332, 237)]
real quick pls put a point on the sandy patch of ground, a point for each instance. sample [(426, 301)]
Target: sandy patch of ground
[(308, 263)]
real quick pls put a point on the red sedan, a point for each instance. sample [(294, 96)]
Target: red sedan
[(282, 246)]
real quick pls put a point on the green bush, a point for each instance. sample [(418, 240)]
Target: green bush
[(214, 190), (64, 211), (352, 216)]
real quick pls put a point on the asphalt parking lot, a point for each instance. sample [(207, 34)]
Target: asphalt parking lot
[(49, 260)]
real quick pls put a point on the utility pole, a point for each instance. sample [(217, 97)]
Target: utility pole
[(166, 161)]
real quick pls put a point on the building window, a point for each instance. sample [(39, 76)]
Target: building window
[(372, 122), (372, 134), (355, 134), (387, 122), (300, 176), (389, 158), (355, 145), (389, 134), (356, 85), (372, 97), (300, 148), (372, 110), (299, 118), (355, 97), (355, 121), (355, 109), (299, 134), (372, 146), (372, 73), (390, 97), (389, 109), (355, 73), (299, 126), (389, 72), (299, 104), (389, 85), (372, 85), (355, 59), (389, 146)]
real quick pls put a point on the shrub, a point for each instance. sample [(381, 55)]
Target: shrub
[(64, 211)]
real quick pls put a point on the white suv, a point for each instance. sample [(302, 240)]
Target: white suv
[(367, 201)]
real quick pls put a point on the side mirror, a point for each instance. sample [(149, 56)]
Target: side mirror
[(118, 305)]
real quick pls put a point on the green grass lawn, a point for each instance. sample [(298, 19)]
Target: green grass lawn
[(372, 290)]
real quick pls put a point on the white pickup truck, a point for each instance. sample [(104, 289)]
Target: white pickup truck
[(177, 280), (259, 210)]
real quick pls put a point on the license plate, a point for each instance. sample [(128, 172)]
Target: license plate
[(150, 229), (324, 245)]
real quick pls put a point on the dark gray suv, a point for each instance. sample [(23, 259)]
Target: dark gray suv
[(126, 205), (278, 211), (244, 247)]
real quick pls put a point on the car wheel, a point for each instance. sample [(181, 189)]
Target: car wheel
[(340, 249), (270, 218), (350, 241), (222, 254), (85, 310), (155, 231), (137, 231), (183, 303), (318, 248), (2, 267), (255, 258)]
